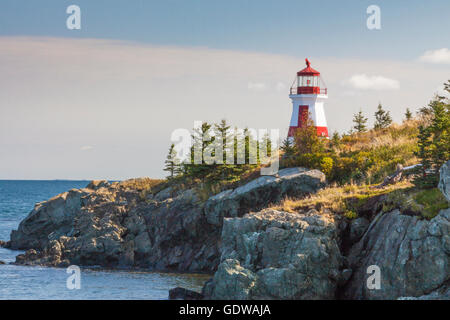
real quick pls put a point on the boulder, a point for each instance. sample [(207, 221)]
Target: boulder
[(259, 193), (444, 179), (97, 184), (184, 294), (413, 256), (278, 255)]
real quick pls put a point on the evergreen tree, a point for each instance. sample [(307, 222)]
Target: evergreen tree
[(408, 114), (382, 118), (197, 168), (434, 141), (360, 122), (335, 139), (223, 130), (227, 170), (288, 148), (172, 163)]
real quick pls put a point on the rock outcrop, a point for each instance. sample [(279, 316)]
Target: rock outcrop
[(112, 225), (413, 256), (257, 194), (277, 255), (444, 180)]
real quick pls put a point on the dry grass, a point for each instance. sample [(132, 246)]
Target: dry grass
[(396, 134), (334, 198), (141, 184)]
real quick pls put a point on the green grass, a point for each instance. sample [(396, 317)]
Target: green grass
[(432, 201)]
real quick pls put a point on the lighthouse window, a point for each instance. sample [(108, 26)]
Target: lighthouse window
[(316, 82), (308, 81)]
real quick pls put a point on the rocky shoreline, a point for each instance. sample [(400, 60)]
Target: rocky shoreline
[(251, 251)]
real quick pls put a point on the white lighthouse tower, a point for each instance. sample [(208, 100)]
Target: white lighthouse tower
[(308, 94)]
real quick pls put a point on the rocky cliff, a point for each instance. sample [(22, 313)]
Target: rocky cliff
[(112, 226), (278, 255), (254, 252)]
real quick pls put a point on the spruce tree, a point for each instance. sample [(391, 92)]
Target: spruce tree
[(360, 122), (335, 139), (433, 140), (408, 114), (197, 168), (382, 118), (172, 163), (288, 148)]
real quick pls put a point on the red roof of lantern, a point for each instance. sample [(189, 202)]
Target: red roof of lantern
[(308, 71)]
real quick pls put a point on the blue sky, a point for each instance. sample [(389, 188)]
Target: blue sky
[(102, 102), (319, 28)]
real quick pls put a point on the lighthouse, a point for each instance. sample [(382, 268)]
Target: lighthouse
[(308, 94)]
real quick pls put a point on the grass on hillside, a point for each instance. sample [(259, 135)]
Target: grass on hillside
[(369, 157), (141, 184), (348, 200)]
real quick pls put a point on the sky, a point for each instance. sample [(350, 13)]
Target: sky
[(101, 102)]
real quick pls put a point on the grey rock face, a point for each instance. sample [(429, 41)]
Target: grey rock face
[(440, 294), (277, 255), (413, 256), (50, 219), (110, 225), (444, 179), (357, 228), (260, 192)]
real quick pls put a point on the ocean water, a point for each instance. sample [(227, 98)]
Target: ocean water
[(17, 199)]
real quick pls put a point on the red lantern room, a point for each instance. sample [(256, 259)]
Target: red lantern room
[(308, 82)]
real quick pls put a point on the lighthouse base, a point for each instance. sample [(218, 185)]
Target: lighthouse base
[(321, 131)]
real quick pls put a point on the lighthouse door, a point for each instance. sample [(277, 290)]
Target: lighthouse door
[(302, 116)]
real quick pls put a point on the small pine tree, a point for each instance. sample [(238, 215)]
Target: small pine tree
[(335, 139), (382, 118), (288, 148), (360, 122), (172, 163), (408, 114)]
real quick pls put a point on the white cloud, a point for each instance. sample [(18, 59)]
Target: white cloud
[(125, 99), (86, 148), (441, 56), (256, 86), (365, 82)]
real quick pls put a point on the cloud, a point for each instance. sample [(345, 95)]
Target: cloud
[(86, 148), (256, 86), (125, 99), (440, 56), (365, 82)]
